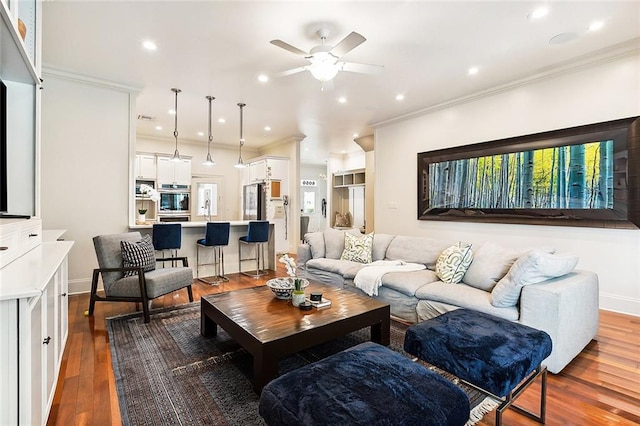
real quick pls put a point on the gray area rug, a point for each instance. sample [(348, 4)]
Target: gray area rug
[(167, 374)]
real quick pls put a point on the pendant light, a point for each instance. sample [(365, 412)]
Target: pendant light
[(176, 154), (240, 164), (209, 161)]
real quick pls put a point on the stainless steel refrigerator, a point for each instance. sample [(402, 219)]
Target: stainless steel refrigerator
[(254, 202)]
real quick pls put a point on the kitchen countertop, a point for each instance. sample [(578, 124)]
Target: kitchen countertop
[(199, 224)]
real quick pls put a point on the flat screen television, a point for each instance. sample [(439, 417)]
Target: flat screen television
[(3, 148)]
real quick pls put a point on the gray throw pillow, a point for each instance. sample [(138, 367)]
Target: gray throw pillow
[(490, 263), (334, 241), (316, 244), (534, 267), (138, 254)]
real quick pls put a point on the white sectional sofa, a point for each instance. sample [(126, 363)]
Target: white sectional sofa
[(565, 306)]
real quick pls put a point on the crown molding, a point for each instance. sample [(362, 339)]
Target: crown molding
[(609, 54), (49, 71)]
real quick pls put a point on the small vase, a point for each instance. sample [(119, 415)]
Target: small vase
[(297, 298), (141, 218)]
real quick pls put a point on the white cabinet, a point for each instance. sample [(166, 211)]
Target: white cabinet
[(145, 166), (258, 171), (33, 332), (174, 173)]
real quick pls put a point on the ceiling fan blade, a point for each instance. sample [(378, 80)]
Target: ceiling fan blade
[(290, 48), (360, 68), (292, 71), (347, 44)]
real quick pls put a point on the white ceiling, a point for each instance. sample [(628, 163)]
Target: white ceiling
[(219, 48)]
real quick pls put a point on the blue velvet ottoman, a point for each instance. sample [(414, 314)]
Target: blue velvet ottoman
[(368, 384), (498, 356)]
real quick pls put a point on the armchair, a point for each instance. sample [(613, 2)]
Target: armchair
[(140, 287)]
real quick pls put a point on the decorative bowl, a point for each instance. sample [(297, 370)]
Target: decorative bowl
[(282, 288)]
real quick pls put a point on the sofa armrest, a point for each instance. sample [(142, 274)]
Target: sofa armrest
[(567, 309), (303, 255)]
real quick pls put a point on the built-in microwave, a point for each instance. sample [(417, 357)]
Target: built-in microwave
[(174, 202), (151, 183)]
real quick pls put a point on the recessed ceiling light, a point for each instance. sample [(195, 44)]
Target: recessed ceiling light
[(200, 133), (221, 120), (267, 128), (595, 26), (263, 78), (399, 97), (355, 135), (149, 45), (172, 111), (473, 71), (158, 127), (540, 12), (342, 100)]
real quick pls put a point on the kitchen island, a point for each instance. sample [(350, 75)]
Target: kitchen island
[(194, 231)]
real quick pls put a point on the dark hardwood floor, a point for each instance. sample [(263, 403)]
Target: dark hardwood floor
[(600, 387)]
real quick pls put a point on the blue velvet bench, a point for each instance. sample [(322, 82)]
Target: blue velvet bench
[(364, 385), (497, 356)]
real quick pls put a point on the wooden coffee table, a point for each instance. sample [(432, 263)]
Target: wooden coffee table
[(270, 328)]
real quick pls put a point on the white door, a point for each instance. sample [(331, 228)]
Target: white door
[(207, 198)]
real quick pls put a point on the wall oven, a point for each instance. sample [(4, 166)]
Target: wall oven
[(174, 202)]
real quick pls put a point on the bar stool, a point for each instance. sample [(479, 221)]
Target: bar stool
[(257, 236), (216, 236), (167, 236)]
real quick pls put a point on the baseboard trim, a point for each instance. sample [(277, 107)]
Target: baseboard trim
[(82, 285), (620, 304)]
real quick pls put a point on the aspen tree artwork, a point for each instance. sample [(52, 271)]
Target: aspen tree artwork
[(581, 176), (576, 177)]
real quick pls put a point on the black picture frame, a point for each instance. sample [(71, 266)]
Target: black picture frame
[(625, 212)]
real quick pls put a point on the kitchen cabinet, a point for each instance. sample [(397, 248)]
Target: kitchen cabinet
[(174, 173), (33, 329), (145, 166), (258, 171)]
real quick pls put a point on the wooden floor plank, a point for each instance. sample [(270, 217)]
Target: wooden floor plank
[(600, 387)]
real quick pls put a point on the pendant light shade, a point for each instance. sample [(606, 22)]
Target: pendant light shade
[(240, 164), (176, 154), (209, 161)]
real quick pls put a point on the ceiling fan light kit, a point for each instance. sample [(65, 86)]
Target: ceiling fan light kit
[(324, 59)]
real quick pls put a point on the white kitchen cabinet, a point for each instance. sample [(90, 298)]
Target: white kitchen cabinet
[(145, 166), (33, 331), (174, 173), (258, 171)]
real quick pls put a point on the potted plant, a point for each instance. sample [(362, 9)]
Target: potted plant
[(146, 191), (297, 296)]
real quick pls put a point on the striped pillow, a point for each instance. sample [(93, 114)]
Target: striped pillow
[(138, 254), (454, 262)]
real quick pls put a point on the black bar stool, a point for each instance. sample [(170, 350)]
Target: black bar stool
[(167, 236), (257, 236), (216, 236)]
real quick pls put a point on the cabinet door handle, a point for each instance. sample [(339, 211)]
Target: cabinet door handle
[(47, 340), (33, 235), (63, 295), (3, 248)]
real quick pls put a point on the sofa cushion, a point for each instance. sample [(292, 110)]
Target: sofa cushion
[(334, 241), (490, 263), (534, 267), (408, 282), (416, 250), (380, 244), (464, 296), (453, 262), (316, 244), (346, 268), (357, 249)]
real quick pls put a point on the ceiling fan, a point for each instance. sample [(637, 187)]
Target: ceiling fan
[(325, 59)]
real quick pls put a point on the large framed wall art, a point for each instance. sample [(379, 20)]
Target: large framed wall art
[(581, 176)]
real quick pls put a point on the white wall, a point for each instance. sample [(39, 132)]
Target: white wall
[(317, 222), (84, 166), (601, 92)]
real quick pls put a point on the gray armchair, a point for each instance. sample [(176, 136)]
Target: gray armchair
[(138, 288)]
